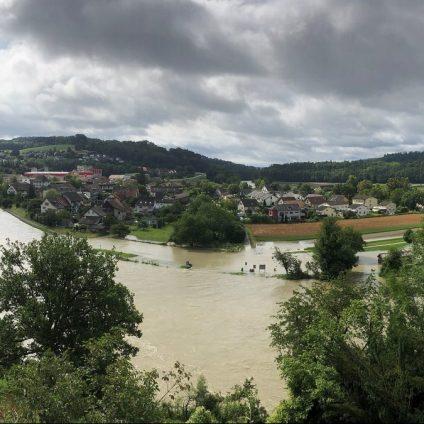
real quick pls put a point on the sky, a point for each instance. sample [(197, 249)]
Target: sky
[(251, 81)]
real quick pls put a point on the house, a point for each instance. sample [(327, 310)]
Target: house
[(126, 193), (386, 207), (338, 202), (40, 182), (314, 200), (264, 198), (74, 199), (327, 210), (61, 187), (18, 189), (58, 204), (368, 201), (247, 206), (285, 213), (145, 205), (359, 209), (162, 201), (113, 205), (94, 218)]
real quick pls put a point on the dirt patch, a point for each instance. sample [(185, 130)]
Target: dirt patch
[(311, 229)]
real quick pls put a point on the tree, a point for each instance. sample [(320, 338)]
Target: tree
[(305, 189), (392, 262), (353, 352), (55, 294), (408, 236), (336, 248), (291, 264), (207, 224), (201, 416), (51, 194), (120, 230), (107, 388), (394, 183), (365, 186)]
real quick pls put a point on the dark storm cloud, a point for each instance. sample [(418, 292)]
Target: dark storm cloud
[(256, 81), (172, 34), (354, 47)]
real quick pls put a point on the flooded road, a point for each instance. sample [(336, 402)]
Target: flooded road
[(208, 318)]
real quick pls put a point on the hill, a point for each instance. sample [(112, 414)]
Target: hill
[(132, 155)]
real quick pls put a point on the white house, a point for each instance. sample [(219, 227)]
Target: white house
[(385, 207), (368, 201), (360, 210)]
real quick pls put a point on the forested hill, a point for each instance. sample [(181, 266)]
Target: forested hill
[(135, 154)]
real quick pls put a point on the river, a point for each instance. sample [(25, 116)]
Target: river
[(208, 318)]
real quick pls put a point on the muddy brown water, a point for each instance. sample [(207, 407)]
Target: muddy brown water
[(208, 318)]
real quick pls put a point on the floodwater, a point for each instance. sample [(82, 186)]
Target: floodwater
[(209, 318)]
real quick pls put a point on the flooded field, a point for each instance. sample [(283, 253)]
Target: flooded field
[(209, 318)]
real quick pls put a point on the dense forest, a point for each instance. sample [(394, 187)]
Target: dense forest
[(186, 162)]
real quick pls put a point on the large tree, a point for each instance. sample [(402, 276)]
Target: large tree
[(336, 248), (207, 224), (353, 351), (57, 293)]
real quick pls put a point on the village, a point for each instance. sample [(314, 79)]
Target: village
[(86, 200)]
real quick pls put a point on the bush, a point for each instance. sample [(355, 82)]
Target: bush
[(120, 230)]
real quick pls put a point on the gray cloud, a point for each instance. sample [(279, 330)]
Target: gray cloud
[(251, 81), (173, 34)]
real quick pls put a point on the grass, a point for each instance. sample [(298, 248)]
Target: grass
[(122, 256), (56, 147), (379, 245), (159, 235), (282, 238)]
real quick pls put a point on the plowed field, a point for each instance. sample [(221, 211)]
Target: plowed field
[(311, 229)]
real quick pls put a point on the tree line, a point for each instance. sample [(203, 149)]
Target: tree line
[(186, 162)]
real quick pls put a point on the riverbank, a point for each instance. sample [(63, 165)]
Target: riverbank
[(20, 214)]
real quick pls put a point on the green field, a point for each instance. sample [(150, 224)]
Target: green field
[(378, 245), (122, 256), (373, 246), (160, 235), (56, 147)]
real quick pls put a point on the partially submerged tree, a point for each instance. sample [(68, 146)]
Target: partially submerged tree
[(290, 263)]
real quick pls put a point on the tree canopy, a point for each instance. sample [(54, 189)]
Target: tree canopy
[(56, 294), (207, 224), (336, 248), (353, 351)]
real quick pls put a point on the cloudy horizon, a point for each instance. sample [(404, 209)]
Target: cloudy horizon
[(251, 81)]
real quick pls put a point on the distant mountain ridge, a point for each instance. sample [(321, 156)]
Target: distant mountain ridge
[(146, 153)]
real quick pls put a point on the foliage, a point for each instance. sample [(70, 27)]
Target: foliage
[(336, 248), (201, 416), (408, 236), (391, 262), (353, 351), (291, 264), (120, 230), (207, 224), (57, 293), (107, 388)]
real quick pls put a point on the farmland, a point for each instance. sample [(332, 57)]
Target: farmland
[(309, 230)]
